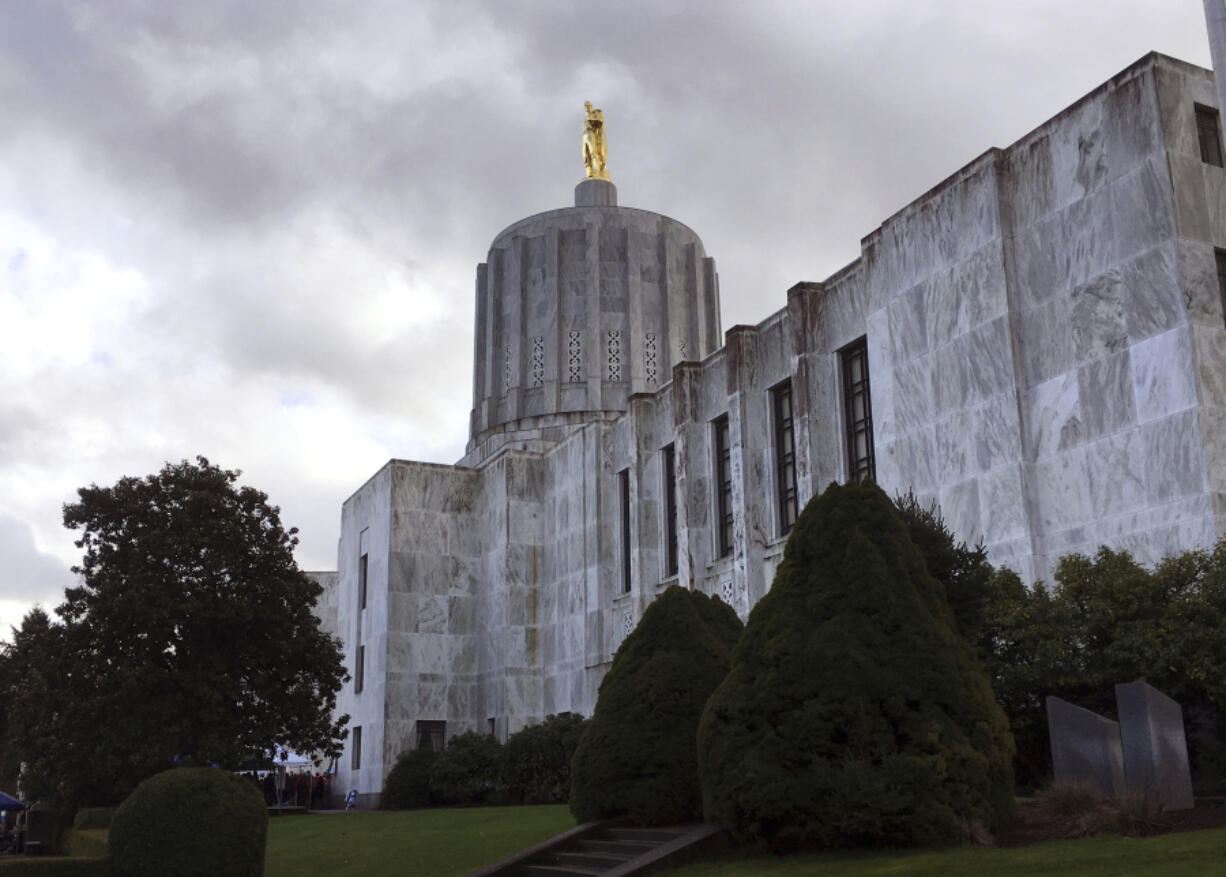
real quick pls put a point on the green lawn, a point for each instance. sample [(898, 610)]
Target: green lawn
[(1187, 854), (430, 843)]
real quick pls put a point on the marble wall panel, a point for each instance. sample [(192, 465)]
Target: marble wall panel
[(1001, 506), (1099, 327), (1031, 190), (913, 392), (1192, 206), (1046, 340), (1174, 462), (1116, 474), (907, 323), (1197, 280), (1061, 490), (961, 509), (1150, 290), (1053, 417), (1142, 208), (1131, 123), (915, 454), (1079, 165), (1105, 390), (997, 432), (1162, 372), (954, 457)]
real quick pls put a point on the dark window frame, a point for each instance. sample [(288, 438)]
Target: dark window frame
[(1219, 256), (722, 454), (431, 732), (858, 418), (1209, 134), (363, 564), (668, 462), (623, 482), (359, 670), (783, 416), (355, 758)]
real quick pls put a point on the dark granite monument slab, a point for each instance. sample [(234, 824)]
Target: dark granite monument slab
[(1085, 747), (1155, 748)]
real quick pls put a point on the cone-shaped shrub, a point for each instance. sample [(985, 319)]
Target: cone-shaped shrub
[(853, 715), (637, 757)]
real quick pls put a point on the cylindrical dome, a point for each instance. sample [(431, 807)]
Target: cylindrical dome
[(579, 308)]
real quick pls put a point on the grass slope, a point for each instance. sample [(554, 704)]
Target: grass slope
[(439, 843), (1173, 855)]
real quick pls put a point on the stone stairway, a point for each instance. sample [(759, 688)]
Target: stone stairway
[(599, 855), (607, 849)]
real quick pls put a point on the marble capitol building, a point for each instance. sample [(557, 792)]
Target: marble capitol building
[(1037, 344)]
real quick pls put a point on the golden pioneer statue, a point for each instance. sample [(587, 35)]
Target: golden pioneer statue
[(595, 152)]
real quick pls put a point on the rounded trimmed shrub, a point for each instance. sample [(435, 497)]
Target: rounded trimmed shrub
[(853, 714), (466, 772), (408, 782), (637, 757), (536, 759), (190, 821)]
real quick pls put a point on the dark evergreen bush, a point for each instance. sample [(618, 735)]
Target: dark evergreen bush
[(407, 786), (536, 760), (466, 772), (188, 822), (853, 715), (637, 756)]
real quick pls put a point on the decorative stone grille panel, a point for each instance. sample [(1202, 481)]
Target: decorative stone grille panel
[(649, 357), (538, 360), (627, 624), (615, 354), (576, 357), (506, 370)]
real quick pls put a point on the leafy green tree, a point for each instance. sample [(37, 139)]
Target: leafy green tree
[(637, 757), (190, 640), (1108, 620), (536, 759), (853, 714)]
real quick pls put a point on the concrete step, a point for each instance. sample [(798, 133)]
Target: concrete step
[(562, 871), (588, 860), (644, 835), (627, 849)]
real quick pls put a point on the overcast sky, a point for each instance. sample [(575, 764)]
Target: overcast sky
[(249, 230)]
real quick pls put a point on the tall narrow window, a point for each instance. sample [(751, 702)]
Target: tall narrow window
[(431, 735), (1220, 256), (355, 758), (1209, 130), (362, 582), (623, 479), (359, 670), (723, 484), (785, 455), (858, 411), (668, 457)]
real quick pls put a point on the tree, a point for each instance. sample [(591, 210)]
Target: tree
[(1108, 620), (637, 757), (853, 714), (189, 641)]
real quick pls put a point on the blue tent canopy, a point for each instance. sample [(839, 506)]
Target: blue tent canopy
[(8, 802)]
